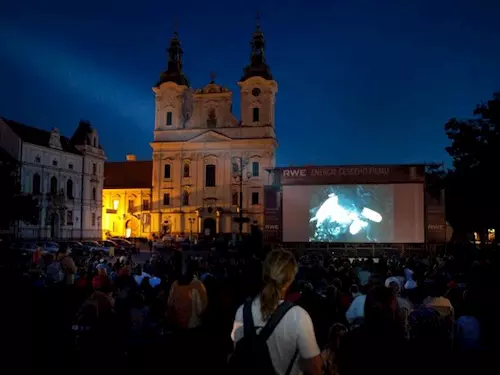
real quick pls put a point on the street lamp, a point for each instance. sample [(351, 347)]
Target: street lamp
[(191, 222), (239, 175)]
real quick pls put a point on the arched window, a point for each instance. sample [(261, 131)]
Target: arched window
[(53, 185), (36, 184), (186, 169), (185, 198), (69, 189)]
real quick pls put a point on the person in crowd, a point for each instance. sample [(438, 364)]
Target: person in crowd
[(187, 300), (293, 341), (378, 341), (329, 355), (68, 266), (437, 301)]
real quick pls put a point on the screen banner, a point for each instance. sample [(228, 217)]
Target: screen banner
[(272, 214), (436, 218), (325, 175)]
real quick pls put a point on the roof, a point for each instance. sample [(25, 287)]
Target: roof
[(38, 137), (128, 175)]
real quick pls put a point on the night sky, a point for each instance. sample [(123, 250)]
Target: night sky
[(360, 81)]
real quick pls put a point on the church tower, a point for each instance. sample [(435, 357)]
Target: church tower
[(257, 87), (170, 89)]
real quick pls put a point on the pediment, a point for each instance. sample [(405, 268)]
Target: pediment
[(210, 136)]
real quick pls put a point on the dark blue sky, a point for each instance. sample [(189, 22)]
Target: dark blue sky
[(360, 81)]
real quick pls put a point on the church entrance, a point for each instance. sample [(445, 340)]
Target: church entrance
[(54, 226), (209, 227), (131, 228)]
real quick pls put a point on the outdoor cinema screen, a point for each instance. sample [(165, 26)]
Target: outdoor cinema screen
[(354, 213)]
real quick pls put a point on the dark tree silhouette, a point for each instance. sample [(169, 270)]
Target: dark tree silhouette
[(471, 187), (15, 206)]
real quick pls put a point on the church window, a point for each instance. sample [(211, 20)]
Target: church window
[(166, 171), (94, 195), (94, 168), (186, 170), (69, 217), (69, 189), (145, 205), (255, 169), (93, 219), (256, 114), (38, 159), (70, 166), (210, 175), (53, 185), (168, 121), (185, 198), (36, 183), (211, 119), (54, 163), (255, 197), (234, 198), (166, 199), (236, 167)]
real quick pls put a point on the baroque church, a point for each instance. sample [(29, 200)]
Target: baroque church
[(206, 165)]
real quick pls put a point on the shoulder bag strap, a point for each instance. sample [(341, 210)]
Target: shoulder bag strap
[(275, 318), (248, 324), (292, 362)]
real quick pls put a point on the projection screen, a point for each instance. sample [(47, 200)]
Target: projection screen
[(388, 213)]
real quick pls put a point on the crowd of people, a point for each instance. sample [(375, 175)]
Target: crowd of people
[(316, 313)]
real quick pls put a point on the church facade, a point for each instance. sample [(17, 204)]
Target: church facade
[(208, 167)]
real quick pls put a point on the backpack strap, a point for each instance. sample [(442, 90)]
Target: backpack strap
[(248, 324), (275, 318)]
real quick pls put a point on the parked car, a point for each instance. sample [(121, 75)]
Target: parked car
[(74, 247), (124, 245), (50, 247), (106, 244), (92, 246)]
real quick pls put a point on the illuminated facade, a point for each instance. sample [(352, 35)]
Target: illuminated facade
[(126, 198), (203, 155), (200, 150)]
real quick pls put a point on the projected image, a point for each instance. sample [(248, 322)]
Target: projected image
[(351, 213)]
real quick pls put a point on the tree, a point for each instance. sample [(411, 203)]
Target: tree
[(15, 205), (471, 185)]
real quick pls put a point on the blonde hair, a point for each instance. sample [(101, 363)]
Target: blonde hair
[(279, 270)]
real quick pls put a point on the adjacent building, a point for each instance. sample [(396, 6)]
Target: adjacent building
[(127, 198), (66, 174), (204, 159)]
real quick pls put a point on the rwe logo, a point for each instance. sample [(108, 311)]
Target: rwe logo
[(295, 173), (272, 227)]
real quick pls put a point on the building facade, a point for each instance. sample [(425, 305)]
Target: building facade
[(207, 165), (66, 176), (203, 157)]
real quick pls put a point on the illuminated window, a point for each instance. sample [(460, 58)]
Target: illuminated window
[(210, 175), (166, 171), (255, 169), (116, 203), (166, 199), (255, 197), (256, 114), (185, 198), (168, 122)]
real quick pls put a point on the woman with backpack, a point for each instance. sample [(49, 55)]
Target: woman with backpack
[(272, 336)]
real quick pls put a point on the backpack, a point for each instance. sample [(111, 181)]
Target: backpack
[(251, 355), (55, 273)]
